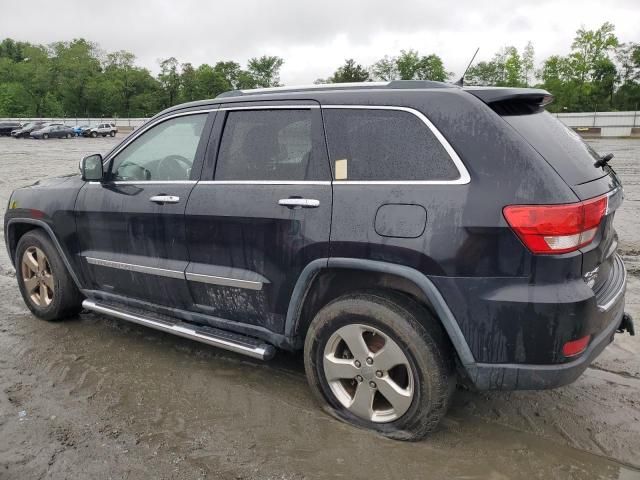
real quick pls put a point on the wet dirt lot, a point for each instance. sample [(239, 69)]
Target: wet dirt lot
[(99, 398)]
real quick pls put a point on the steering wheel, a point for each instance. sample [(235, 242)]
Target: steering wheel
[(174, 167)]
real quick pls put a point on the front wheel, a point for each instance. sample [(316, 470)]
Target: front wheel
[(112, 133), (380, 362), (94, 134), (45, 136), (68, 135), (44, 281)]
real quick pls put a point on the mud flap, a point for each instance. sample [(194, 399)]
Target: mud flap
[(626, 325)]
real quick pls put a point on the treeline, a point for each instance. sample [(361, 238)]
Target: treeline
[(77, 78)]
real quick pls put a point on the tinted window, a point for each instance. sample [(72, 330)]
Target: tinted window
[(269, 145), (369, 144), (563, 148), (165, 152)]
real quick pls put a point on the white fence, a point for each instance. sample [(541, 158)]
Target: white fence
[(605, 124)]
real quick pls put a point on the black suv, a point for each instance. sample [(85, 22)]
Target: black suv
[(406, 236)]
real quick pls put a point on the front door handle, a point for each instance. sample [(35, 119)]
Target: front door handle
[(299, 202), (161, 199)]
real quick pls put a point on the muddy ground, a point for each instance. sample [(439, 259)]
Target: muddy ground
[(99, 398)]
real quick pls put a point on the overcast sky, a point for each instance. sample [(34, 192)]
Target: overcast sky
[(314, 38)]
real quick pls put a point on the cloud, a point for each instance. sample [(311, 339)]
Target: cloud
[(315, 37)]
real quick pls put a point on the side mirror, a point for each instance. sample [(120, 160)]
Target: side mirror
[(91, 168)]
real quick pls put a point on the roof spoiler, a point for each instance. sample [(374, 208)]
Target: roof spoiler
[(493, 95)]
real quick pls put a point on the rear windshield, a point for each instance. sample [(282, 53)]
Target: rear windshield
[(563, 148)]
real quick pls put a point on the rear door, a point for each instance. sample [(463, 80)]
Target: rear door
[(131, 225), (262, 214)]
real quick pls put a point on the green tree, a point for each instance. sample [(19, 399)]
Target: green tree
[(169, 79), (75, 66), (349, 72), (188, 83), (385, 69), (528, 63), (410, 65), (265, 70)]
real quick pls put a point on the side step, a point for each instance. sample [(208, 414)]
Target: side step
[(233, 342)]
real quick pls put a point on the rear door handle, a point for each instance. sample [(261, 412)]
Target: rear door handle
[(299, 202), (164, 199)]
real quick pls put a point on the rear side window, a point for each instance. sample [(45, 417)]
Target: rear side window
[(269, 145), (563, 148), (379, 145)]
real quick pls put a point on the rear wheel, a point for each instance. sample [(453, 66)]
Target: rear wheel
[(45, 284), (380, 362)]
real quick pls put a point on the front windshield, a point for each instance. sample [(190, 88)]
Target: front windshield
[(28, 125)]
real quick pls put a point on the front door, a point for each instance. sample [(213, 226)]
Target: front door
[(254, 224), (131, 226)]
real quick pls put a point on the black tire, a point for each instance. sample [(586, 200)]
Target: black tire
[(112, 133), (94, 134), (66, 298), (68, 135), (420, 337), (45, 136)]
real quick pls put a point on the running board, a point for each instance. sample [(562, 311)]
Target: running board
[(233, 342)]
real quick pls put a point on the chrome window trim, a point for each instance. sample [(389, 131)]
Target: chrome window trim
[(264, 182), (464, 177), (150, 182), (223, 281)]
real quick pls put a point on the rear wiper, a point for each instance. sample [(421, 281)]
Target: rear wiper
[(603, 160)]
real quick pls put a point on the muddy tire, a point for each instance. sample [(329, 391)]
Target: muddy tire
[(45, 284), (399, 382)]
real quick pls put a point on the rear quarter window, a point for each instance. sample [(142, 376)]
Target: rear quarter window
[(384, 145), (560, 146)]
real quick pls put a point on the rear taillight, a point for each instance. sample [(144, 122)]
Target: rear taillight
[(554, 229)]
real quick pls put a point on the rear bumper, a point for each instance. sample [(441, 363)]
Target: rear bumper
[(515, 329), (487, 376)]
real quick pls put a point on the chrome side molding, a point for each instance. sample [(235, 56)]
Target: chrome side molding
[(232, 342)]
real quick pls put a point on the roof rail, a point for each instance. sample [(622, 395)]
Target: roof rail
[(394, 84)]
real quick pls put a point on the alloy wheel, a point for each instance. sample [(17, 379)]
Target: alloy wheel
[(368, 373), (37, 277)]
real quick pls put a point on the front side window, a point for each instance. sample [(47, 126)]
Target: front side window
[(165, 152), (269, 145), (385, 145)]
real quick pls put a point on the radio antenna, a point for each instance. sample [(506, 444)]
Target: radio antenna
[(460, 82)]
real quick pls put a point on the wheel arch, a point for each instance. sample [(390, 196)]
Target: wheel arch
[(18, 227), (316, 286)]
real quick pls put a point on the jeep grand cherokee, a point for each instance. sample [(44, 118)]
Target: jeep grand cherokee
[(406, 236)]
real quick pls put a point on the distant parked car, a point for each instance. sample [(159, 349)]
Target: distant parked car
[(80, 129), (55, 130), (7, 127), (103, 129), (26, 130)]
